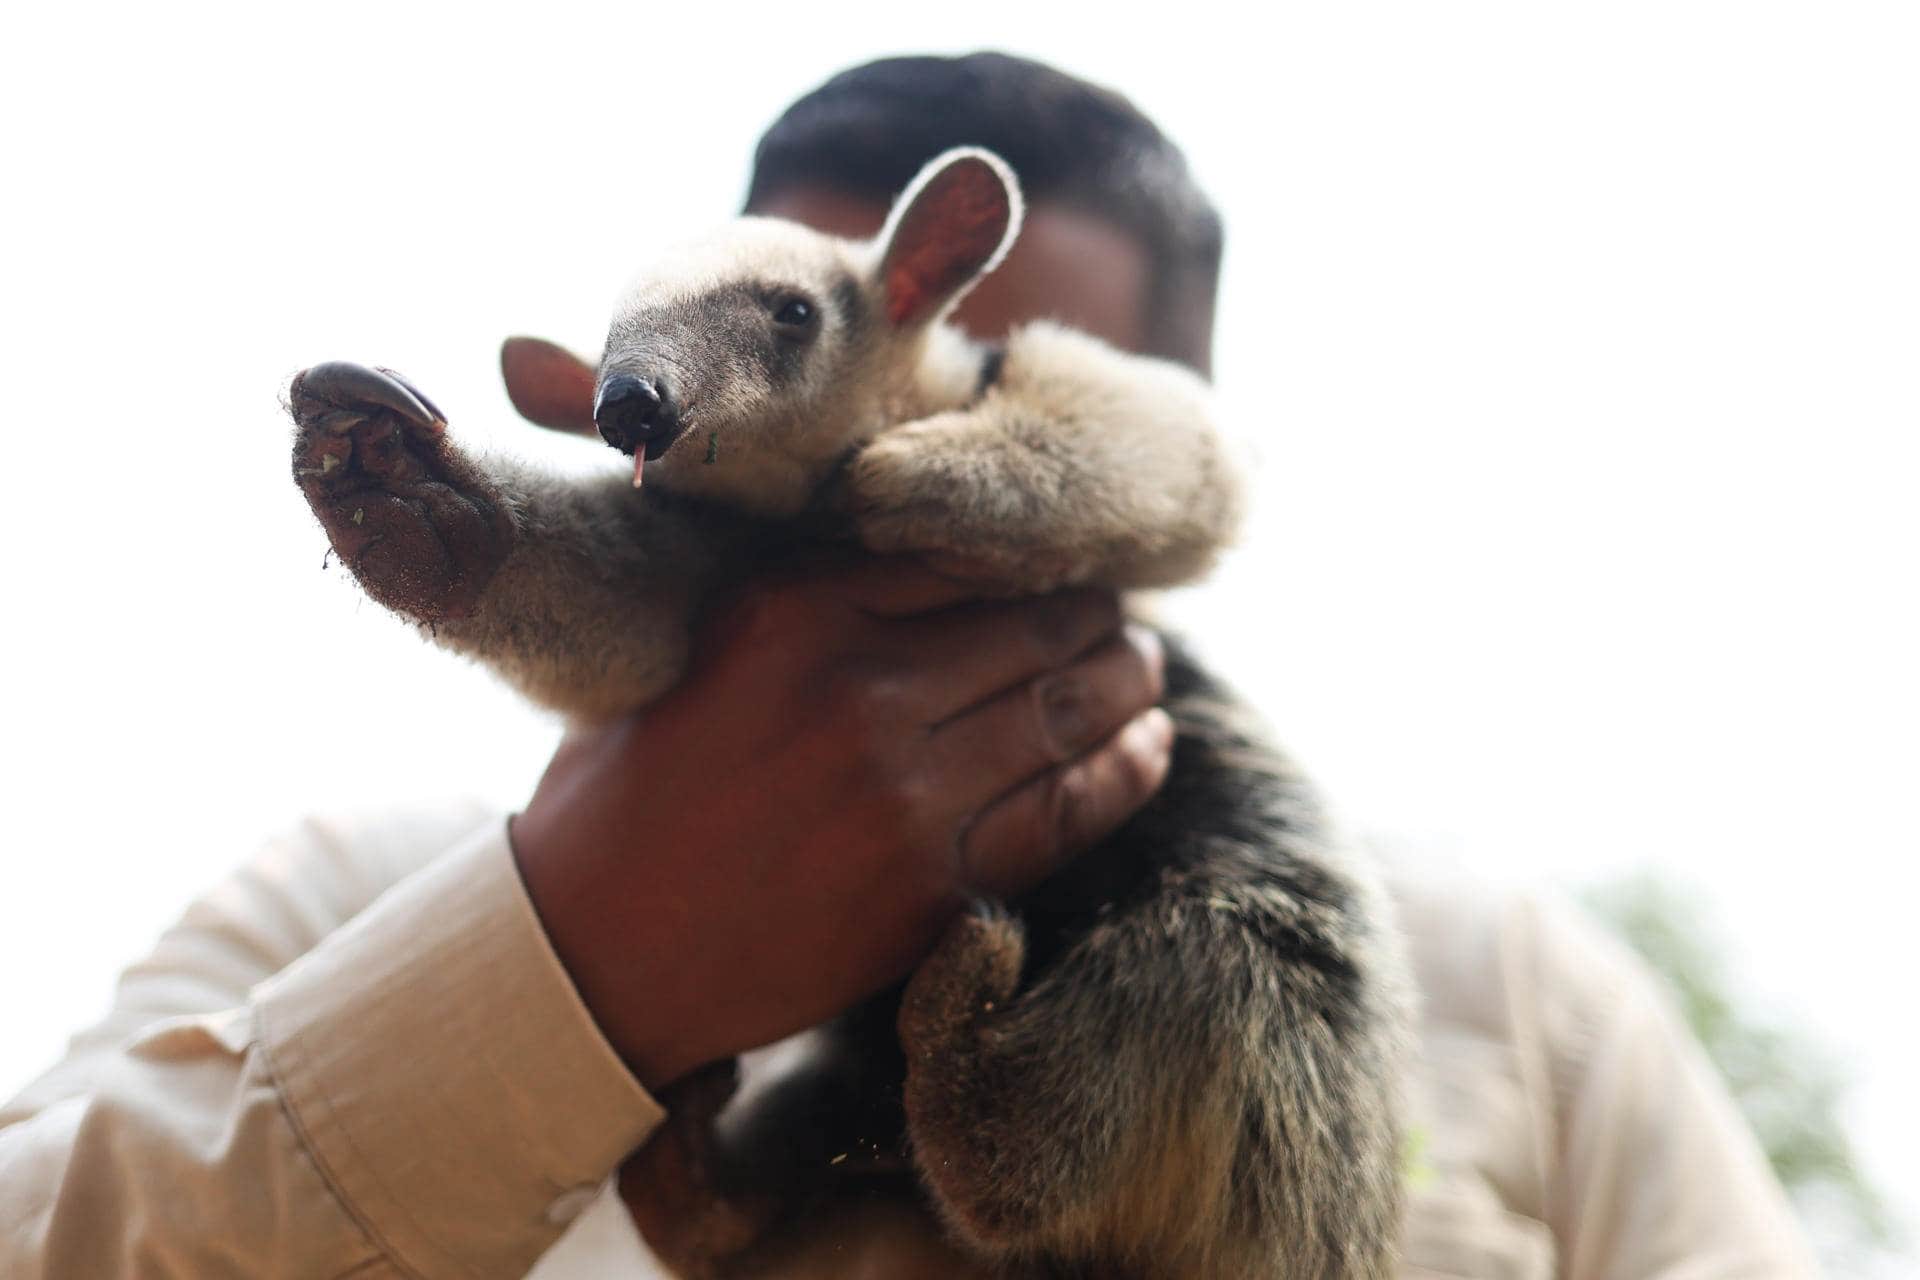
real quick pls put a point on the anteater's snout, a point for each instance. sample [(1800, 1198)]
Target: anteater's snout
[(636, 413)]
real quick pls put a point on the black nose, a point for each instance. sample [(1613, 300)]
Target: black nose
[(633, 412)]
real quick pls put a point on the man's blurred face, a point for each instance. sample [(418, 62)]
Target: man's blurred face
[(1067, 266)]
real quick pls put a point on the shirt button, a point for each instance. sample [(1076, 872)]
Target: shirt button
[(568, 1205)]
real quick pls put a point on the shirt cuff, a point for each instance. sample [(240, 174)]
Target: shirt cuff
[(440, 1066)]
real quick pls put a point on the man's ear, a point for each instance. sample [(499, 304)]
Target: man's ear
[(952, 225), (549, 385)]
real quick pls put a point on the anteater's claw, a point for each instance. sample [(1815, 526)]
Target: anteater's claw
[(344, 383), (418, 394)]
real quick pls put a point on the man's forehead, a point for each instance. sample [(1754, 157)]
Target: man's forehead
[(827, 209), (1067, 265)]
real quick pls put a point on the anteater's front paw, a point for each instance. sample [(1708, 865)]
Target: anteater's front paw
[(673, 1184), (958, 497), (419, 525)]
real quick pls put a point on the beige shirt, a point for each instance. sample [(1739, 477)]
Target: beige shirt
[(360, 1058)]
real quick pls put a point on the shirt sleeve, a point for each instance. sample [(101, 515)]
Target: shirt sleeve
[(359, 1056), (1653, 1173)]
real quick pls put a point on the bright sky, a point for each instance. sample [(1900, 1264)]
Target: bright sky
[(1577, 347)]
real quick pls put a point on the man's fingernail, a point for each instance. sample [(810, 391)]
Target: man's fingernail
[(1147, 641), (1158, 727), (1148, 737)]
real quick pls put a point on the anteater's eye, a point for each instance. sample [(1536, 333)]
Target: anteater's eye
[(793, 311)]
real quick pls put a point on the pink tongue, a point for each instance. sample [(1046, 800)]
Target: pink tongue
[(639, 467)]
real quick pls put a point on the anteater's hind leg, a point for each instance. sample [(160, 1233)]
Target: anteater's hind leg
[(674, 1188), (1195, 1088)]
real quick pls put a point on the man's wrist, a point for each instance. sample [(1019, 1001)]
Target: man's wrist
[(601, 948), (435, 1037)]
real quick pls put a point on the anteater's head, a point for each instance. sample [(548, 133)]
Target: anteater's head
[(747, 364)]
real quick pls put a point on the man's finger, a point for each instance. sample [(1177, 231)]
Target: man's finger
[(1047, 721), (1021, 839), (900, 586), (966, 656)]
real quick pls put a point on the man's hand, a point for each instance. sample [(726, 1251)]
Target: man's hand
[(853, 754)]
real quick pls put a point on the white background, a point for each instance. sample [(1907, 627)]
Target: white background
[(1578, 347)]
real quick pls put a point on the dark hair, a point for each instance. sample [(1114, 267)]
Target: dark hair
[(868, 130)]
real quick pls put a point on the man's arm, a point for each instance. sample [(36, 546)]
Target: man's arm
[(272, 1094), (343, 1062), (1653, 1172), (1568, 1123)]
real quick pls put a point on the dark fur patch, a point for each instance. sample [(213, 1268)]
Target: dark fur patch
[(733, 319), (990, 366), (850, 304), (1212, 915)]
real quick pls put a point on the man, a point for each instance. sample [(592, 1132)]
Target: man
[(414, 1047)]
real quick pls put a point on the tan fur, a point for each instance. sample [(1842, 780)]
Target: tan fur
[(1079, 465)]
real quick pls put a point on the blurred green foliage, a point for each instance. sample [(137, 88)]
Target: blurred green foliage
[(1790, 1091)]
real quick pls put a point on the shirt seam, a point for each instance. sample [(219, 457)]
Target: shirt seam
[(308, 1141)]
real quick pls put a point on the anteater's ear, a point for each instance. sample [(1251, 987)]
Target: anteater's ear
[(951, 226), (549, 385)]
